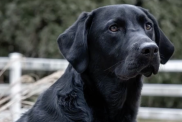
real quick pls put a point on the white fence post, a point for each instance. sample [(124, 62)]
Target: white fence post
[(15, 74)]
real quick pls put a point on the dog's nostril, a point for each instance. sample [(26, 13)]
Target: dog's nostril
[(148, 49), (155, 50), (145, 51)]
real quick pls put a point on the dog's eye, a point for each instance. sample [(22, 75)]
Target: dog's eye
[(148, 26), (114, 28)]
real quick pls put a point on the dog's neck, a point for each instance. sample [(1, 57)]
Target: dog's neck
[(111, 96)]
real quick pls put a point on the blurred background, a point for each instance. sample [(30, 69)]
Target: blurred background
[(31, 27)]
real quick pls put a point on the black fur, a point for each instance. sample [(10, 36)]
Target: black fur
[(103, 80)]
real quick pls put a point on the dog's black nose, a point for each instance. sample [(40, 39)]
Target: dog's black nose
[(149, 49)]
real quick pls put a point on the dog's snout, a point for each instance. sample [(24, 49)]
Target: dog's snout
[(148, 49)]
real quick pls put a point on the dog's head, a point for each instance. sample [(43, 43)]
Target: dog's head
[(123, 39)]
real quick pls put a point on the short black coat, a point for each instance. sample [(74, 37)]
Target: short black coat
[(108, 50)]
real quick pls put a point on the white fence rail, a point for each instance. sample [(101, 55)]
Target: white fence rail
[(160, 114), (59, 64), (37, 64), (148, 89), (144, 113)]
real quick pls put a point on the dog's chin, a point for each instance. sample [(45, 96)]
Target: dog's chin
[(149, 70), (147, 73)]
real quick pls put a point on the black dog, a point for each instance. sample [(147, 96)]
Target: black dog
[(109, 49)]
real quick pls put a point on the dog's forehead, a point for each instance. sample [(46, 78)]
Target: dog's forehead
[(124, 11)]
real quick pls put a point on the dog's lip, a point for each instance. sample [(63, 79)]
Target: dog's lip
[(123, 77), (147, 74), (149, 70), (138, 69)]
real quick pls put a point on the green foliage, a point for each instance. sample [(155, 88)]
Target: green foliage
[(31, 27)]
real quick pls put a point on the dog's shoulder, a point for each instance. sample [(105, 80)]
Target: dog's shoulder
[(70, 96), (67, 97), (64, 101)]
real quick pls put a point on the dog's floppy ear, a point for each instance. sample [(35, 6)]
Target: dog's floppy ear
[(73, 42), (166, 48)]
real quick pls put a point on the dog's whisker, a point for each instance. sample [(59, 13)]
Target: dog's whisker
[(112, 66)]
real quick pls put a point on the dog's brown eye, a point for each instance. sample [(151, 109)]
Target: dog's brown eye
[(114, 28), (148, 26)]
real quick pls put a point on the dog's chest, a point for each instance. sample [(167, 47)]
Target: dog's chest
[(120, 104)]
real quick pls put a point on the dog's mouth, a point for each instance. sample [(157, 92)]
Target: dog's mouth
[(131, 70), (149, 70)]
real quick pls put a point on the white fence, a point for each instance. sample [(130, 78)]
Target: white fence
[(15, 63)]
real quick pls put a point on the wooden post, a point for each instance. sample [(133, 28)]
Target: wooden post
[(15, 74)]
